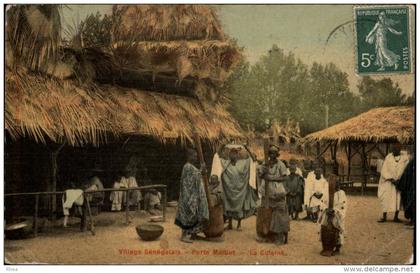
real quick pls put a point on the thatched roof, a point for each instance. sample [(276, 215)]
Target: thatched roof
[(165, 22), (33, 32), (184, 41), (388, 124), (201, 59), (41, 107)]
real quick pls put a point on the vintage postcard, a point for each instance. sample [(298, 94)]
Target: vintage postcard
[(209, 134)]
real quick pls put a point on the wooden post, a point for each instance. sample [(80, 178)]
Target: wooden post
[(36, 215), (266, 188), (334, 158), (54, 156), (127, 207), (318, 150), (349, 161), (201, 158), (92, 227), (164, 201), (364, 167)]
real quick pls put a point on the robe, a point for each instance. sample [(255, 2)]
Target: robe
[(71, 197), (340, 208), (134, 197), (193, 212), (280, 216), (238, 186), (407, 186), (116, 197), (294, 186), (313, 185), (388, 194), (275, 171)]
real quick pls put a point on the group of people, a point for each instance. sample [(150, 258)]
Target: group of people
[(239, 183), (74, 197), (396, 190), (151, 198)]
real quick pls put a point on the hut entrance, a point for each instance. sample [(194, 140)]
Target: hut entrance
[(29, 168)]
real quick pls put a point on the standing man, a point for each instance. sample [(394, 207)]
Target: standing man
[(193, 212), (392, 169), (407, 186)]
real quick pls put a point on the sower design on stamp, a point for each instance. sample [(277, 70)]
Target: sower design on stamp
[(382, 39)]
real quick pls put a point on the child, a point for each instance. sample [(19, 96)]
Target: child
[(335, 216), (280, 218), (294, 185)]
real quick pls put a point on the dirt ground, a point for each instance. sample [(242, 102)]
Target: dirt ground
[(366, 242)]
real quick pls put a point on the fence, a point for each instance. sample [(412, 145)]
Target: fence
[(86, 193)]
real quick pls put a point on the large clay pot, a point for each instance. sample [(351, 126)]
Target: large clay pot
[(216, 222), (263, 221)]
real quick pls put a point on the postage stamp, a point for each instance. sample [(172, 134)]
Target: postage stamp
[(382, 39)]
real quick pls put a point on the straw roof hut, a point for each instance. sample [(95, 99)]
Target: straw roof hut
[(157, 78), (86, 93), (385, 124), (362, 135), (41, 107)]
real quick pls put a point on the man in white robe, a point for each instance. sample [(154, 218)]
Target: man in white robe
[(391, 171), (315, 193), (340, 208)]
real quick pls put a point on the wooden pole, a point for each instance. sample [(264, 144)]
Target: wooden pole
[(349, 161), (266, 188), (127, 207), (201, 159), (54, 156), (164, 201), (365, 168), (89, 211), (36, 215)]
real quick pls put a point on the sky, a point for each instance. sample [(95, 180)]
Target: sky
[(302, 29)]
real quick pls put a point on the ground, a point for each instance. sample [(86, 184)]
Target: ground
[(367, 242)]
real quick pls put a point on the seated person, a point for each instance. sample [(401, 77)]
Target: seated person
[(71, 197), (152, 201), (215, 191), (95, 184)]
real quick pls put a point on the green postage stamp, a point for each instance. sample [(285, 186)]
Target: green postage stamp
[(382, 39)]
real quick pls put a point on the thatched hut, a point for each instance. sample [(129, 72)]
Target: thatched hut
[(90, 105), (367, 135)]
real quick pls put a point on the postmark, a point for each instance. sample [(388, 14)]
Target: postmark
[(383, 39)]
